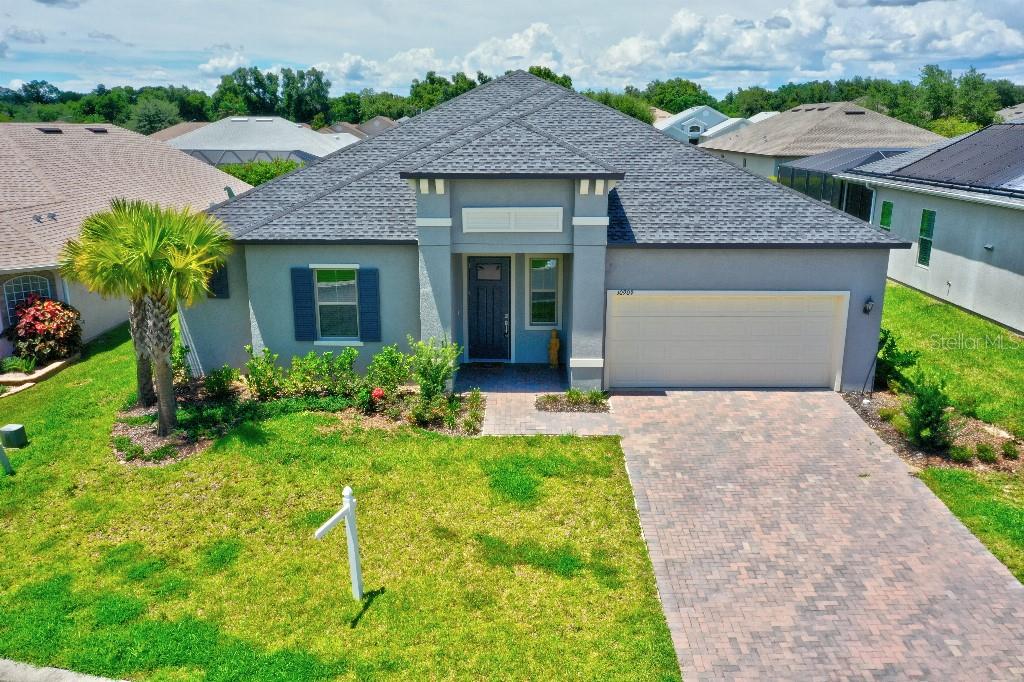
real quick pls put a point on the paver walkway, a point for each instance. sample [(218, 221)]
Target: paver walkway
[(789, 542)]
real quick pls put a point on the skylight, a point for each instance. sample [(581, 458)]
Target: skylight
[(98, 131), (50, 131)]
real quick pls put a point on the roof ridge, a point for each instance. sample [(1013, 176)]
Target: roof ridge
[(563, 143), (375, 167)]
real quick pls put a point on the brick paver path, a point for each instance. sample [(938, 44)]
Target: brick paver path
[(789, 542)]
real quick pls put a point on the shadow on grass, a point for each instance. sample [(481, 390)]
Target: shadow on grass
[(367, 603), (39, 626), (563, 560), (518, 478)]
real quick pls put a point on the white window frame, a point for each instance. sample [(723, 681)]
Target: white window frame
[(322, 340), (559, 286), (507, 218), (9, 282)]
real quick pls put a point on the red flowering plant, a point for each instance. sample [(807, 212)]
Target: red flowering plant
[(45, 329), (377, 394)]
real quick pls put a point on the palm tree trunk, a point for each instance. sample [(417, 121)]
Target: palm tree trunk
[(159, 342), (143, 365)]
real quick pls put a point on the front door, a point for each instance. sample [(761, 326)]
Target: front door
[(489, 280)]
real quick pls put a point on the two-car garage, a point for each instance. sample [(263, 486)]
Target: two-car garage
[(764, 339)]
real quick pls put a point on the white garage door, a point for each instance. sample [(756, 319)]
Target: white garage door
[(725, 339)]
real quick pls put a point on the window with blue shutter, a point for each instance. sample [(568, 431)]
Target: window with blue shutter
[(219, 283), (303, 303), (369, 304)]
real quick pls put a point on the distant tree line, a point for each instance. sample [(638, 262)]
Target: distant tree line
[(938, 101)]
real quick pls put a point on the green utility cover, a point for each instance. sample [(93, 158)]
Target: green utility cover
[(13, 436)]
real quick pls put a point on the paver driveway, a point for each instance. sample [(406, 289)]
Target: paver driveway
[(789, 542)]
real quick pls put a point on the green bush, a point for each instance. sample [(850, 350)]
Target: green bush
[(433, 410), (986, 453), (433, 364), (596, 397), (928, 413), (263, 377), (389, 369), (17, 364), (258, 172), (364, 400), (886, 414), (323, 374), (180, 369), (575, 396), (474, 418), (219, 383), (1010, 450), (961, 455), (892, 360)]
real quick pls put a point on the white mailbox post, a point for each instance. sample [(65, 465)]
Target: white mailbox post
[(347, 513)]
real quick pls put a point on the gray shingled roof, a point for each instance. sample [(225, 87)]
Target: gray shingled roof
[(842, 159), (672, 194), (512, 149)]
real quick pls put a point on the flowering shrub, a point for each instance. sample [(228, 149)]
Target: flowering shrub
[(377, 394), (46, 330)]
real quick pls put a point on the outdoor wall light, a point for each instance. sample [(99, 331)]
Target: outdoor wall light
[(989, 247), (869, 305)]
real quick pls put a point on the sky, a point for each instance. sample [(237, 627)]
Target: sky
[(384, 44)]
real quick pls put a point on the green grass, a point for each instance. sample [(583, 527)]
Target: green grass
[(990, 504), (510, 558), (983, 363)]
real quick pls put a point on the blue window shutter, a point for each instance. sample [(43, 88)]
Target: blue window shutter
[(303, 304), (219, 283), (369, 304)]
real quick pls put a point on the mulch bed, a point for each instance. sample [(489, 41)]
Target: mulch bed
[(968, 433), (554, 402), (156, 450)]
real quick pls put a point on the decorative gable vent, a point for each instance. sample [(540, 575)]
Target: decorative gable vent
[(522, 219)]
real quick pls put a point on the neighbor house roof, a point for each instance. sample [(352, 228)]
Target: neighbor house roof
[(1014, 113), (815, 128), (659, 115), (685, 115), (989, 161), (724, 127), (843, 159), (50, 181), (343, 127), (261, 133), (177, 130), (374, 126), (671, 193), (762, 116)]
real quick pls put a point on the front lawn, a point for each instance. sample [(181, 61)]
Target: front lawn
[(990, 504), (983, 363), (512, 558)]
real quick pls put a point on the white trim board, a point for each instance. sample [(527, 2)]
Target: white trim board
[(512, 219)]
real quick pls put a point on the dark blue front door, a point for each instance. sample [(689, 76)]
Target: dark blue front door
[(489, 280)]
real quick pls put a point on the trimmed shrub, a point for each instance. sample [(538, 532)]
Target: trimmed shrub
[(431, 410), (46, 330), (16, 364), (474, 418), (986, 453), (263, 377), (1010, 450), (315, 374), (219, 383), (961, 455), (928, 413), (389, 369), (892, 360), (433, 365)]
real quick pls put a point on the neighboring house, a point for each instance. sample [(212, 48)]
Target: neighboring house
[(811, 129), (659, 115), (1011, 114), (56, 174), (815, 177), (177, 130), (375, 126), (520, 208), (688, 125), (962, 204), (240, 139), (731, 125)]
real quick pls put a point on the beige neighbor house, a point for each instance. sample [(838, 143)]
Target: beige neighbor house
[(961, 204), (53, 175), (1014, 114), (177, 130), (811, 129)]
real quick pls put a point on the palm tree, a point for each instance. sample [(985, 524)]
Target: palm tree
[(96, 261), (160, 256)]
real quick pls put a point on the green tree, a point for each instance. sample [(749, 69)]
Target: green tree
[(939, 91), (155, 257), (748, 101), (434, 89), (677, 94), (344, 108), (41, 92), (952, 126), (627, 104), (257, 90), (547, 74), (304, 94), (976, 98), (258, 172), (383, 104), (228, 104), (151, 114), (1010, 94)]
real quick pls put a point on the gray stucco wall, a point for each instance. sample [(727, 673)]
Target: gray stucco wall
[(961, 270), (859, 271), (217, 330), (518, 193), (765, 166)]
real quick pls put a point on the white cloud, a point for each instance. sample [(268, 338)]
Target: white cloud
[(14, 83), (224, 63), (536, 45), (24, 35)]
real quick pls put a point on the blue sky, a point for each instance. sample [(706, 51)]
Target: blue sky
[(383, 44)]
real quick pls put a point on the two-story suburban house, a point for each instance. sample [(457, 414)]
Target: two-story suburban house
[(521, 208), (961, 203)]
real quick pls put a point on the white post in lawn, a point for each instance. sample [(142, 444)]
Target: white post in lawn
[(5, 463), (348, 514)]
